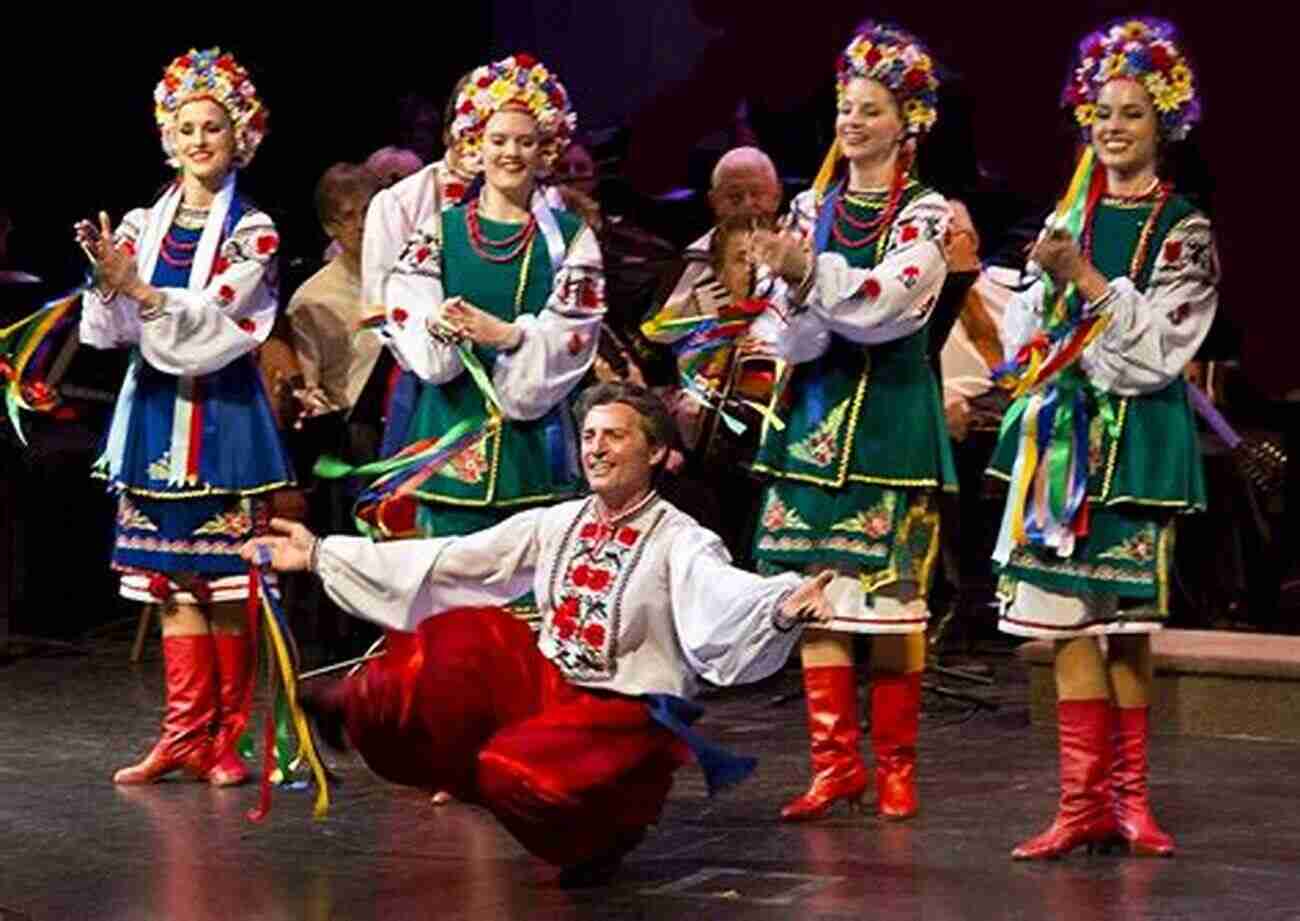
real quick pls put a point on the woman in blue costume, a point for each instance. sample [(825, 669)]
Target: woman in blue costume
[(189, 285)]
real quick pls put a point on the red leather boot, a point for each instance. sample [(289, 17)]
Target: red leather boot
[(895, 715), (186, 739), (1129, 781), (838, 772), (1086, 814), (235, 686)]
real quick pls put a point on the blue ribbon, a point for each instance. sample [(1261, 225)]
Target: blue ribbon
[(722, 769)]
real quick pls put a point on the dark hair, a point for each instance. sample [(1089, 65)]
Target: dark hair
[(655, 421), (341, 182)]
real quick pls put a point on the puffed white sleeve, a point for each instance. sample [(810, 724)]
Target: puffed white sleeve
[(724, 615), (399, 584), (893, 299), (1021, 318), (198, 332), (1153, 334), (114, 322), (412, 294), (381, 241), (792, 333), (559, 343)]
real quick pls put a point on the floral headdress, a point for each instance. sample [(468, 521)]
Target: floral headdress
[(219, 77), (895, 58), (1145, 50), (521, 82)]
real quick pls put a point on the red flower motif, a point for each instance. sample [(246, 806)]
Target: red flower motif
[(1173, 250), (911, 273), (581, 575), (128, 247), (873, 57), (914, 79), (226, 294), (525, 60), (589, 531), (466, 107), (588, 296), (870, 289), (1160, 57), (399, 316), (247, 325), (259, 120), (160, 586), (220, 264), (422, 253), (1179, 313), (577, 342), (455, 191), (627, 536), (597, 579), (594, 635), (267, 243)]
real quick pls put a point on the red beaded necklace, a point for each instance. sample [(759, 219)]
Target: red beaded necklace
[(1160, 193), (177, 253), (870, 230), (508, 248)]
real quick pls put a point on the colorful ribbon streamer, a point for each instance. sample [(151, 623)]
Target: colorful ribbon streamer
[(282, 670), (23, 347)]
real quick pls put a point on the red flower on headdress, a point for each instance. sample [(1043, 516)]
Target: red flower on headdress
[(258, 122), (466, 107), (267, 243), (873, 57), (1173, 250), (247, 325), (525, 60), (1160, 57), (914, 79), (484, 81), (594, 635), (226, 294), (870, 289)]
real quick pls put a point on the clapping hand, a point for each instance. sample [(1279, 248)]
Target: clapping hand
[(782, 253), (461, 319), (114, 266)]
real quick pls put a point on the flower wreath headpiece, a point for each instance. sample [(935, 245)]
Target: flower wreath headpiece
[(219, 77), (518, 81), (898, 60), (1145, 50)]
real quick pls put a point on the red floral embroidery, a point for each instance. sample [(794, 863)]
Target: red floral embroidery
[(594, 635), (226, 294), (1173, 250), (399, 316), (247, 325), (870, 289), (455, 191), (909, 233), (220, 264), (909, 275), (577, 342), (598, 579), (589, 531), (627, 536), (267, 243), (588, 296), (422, 253), (581, 575), (1179, 313)]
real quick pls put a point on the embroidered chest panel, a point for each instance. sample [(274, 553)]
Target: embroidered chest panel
[(588, 588)]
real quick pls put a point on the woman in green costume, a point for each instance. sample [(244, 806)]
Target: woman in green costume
[(1102, 454), (496, 306), (860, 455)]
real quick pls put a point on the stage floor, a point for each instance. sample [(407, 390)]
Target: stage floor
[(73, 846)]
